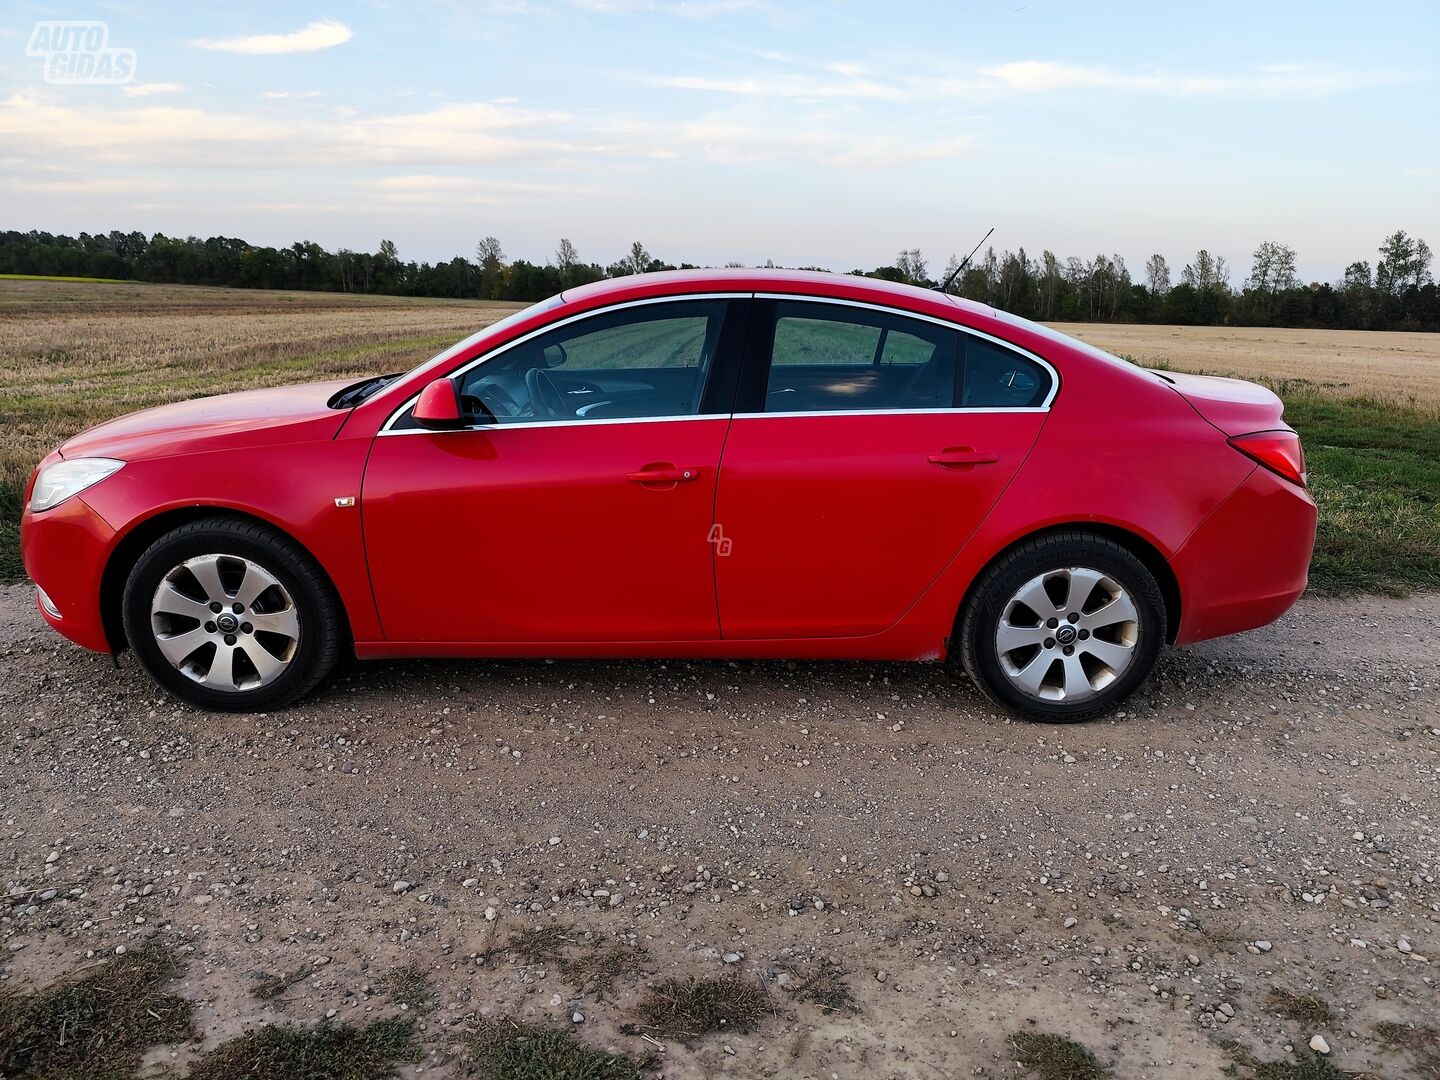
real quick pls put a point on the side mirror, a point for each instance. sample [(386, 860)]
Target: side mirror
[(438, 407)]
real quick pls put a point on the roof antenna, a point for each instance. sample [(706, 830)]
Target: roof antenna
[(945, 286)]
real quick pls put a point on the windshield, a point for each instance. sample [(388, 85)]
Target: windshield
[(494, 329)]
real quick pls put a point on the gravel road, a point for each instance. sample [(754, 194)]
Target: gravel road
[(1262, 817)]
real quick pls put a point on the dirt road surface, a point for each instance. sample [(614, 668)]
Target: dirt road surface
[(1263, 817)]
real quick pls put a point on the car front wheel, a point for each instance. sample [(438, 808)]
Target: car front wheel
[(231, 615), (1062, 628)]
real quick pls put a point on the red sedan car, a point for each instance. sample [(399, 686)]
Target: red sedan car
[(696, 464)]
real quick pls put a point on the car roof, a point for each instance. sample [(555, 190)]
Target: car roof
[(765, 279)]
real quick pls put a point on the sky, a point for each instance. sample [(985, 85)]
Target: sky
[(810, 133)]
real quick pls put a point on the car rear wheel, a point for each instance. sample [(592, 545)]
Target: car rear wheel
[(1062, 628), (231, 615)]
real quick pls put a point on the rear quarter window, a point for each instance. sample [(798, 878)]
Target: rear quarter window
[(996, 377)]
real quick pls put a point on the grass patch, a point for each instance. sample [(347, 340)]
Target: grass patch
[(590, 964), (1301, 1008), (828, 989), (408, 986), (1306, 1065), (688, 1008), (1056, 1057), (508, 1050), (272, 986), (99, 1025), (541, 944), (324, 1052), (1375, 475), (1421, 1040)]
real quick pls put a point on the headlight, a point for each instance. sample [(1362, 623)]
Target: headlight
[(58, 482)]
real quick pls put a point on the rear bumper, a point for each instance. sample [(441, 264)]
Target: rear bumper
[(1248, 562), (64, 550)]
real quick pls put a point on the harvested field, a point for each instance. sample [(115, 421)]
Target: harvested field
[(1395, 367)]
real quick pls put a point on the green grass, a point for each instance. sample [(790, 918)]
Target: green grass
[(1375, 476), (688, 1008), (408, 986), (1306, 1064), (1056, 1057), (588, 962), (323, 1052), (97, 1026), (1304, 1009), (510, 1050)]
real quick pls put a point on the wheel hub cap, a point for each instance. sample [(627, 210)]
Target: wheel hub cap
[(1067, 634), (225, 622)]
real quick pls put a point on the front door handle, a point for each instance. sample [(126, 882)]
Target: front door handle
[(662, 472), (962, 457)]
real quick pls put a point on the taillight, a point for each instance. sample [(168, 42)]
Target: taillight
[(1278, 451)]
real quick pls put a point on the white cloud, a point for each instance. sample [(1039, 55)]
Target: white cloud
[(469, 134), (279, 95), (1273, 80), (429, 188), (150, 89), (81, 185), (324, 34), (784, 86), (849, 80), (29, 124), (453, 133), (750, 136), (689, 9)]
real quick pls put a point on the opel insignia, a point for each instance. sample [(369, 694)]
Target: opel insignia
[(738, 464)]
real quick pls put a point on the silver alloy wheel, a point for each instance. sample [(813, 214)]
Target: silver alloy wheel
[(1067, 634), (225, 622)]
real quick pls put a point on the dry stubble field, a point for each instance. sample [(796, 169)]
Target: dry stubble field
[(1399, 367), (885, 878)]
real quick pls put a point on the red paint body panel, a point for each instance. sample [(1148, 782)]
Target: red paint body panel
[(67, 559), (1248, 563), (839, 523), (283, 414), (1234, 406), (538, 533), (846, 541)]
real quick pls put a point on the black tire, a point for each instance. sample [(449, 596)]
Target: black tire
[(974, 645), (315, 605)]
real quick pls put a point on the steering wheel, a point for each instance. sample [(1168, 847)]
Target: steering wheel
[(543, 393)]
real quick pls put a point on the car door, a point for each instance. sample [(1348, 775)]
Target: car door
[(866, 448), (577, 507)]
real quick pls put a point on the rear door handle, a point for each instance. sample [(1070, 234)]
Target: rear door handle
[(663, 473), (963, 457)]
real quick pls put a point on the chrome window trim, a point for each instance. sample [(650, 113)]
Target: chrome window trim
[(801, 298), (388, 427)]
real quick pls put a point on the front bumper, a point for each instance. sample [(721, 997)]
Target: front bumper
[(1248, 562), (64, 550)]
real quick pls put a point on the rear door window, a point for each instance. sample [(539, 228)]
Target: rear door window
[(835, 358)]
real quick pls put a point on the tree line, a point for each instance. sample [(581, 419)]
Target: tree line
[(1397, 293)]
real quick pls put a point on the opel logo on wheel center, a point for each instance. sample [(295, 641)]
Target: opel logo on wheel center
[(1065, 635), (227, 623)]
